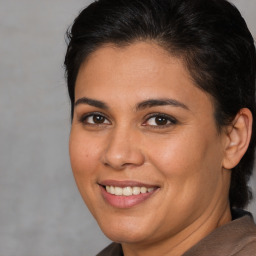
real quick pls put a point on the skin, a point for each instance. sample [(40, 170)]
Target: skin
[(186, 158)]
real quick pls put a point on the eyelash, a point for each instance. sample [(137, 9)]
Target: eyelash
[(170, 120), (94, 114)]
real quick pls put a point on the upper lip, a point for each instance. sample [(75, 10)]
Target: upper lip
[(125, 183)]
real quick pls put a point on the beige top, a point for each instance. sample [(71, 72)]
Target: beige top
[(236, 238)]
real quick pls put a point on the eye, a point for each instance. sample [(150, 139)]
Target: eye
[(160, 120), (95, 119)]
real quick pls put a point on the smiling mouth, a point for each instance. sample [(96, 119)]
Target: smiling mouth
[(128, 191), (126, 194)]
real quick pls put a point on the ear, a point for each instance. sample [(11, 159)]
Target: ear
[(238, 136)]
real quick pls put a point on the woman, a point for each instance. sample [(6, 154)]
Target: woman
[(161, 145)]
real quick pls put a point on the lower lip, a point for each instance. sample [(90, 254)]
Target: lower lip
[(125, 201)]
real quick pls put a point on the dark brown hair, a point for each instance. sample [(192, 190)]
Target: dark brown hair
[(210, 36)]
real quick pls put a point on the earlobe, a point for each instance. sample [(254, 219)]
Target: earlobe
[(238, 138)]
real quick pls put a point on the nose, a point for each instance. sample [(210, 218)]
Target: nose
[(123, 150)]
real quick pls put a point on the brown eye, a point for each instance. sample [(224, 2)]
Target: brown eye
[(95, 119), (159, 120)]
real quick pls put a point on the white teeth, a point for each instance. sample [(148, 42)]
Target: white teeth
[(118, 191), (128, 191), (143, 190), (112, 190), (150, 189), (135, 190)]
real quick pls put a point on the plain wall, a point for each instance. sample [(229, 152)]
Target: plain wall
[(41, 211)]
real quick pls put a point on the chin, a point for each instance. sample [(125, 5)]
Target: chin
[(126, 230), (125, 236)]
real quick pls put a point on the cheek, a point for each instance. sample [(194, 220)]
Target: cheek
[(190, 163), (176, 154), (84, 157)]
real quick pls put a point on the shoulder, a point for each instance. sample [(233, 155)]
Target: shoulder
[(246, 245), (237, 238), (113, 249), (248, 248)]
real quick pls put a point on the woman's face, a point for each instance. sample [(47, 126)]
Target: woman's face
[(144, 148)]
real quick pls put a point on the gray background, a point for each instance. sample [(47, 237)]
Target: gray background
[(41, 211)]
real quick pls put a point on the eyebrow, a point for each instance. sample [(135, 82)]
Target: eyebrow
[(140, 106), (91, 102), (160, 102)]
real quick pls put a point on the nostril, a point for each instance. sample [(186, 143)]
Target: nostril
[(123, 160), (122, 151)]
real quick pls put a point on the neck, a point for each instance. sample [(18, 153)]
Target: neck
[(179, 243)]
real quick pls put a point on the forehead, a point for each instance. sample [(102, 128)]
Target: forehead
[(143, 70)]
